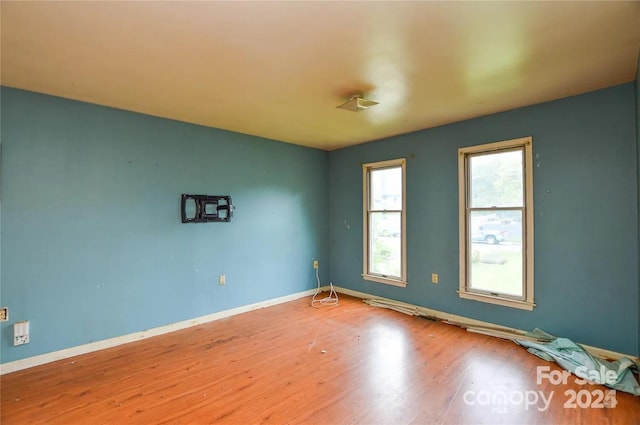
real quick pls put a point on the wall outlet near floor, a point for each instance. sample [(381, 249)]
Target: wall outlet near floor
[(4, 314), (21, 333), (222, 279), (434, 277), (315, 264)]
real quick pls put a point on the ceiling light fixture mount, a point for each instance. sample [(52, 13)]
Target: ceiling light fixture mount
[(357, 103)]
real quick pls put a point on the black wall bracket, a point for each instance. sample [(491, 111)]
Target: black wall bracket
[(206, 208)]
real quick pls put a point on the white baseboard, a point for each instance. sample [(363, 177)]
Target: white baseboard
[(21, 364), (599, 352), (137, 336)]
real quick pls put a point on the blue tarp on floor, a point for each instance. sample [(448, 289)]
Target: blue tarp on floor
[(574, 358)]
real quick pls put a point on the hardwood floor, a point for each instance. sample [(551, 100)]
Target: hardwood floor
[(295, 364)]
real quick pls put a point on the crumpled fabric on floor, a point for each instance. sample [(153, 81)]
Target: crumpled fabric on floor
[(581, 363)]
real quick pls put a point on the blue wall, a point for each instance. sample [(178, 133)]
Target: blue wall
[(92, 244), (586, 218)]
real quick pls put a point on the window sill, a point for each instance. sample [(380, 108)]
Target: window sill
[(385, 280), (505, 302)]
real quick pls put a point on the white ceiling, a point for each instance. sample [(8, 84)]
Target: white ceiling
[(279, 69)]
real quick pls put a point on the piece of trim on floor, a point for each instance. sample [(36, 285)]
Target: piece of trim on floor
[(466, 321), (41, 359)]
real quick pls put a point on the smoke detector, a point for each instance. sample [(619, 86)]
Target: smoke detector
[(357, 103)]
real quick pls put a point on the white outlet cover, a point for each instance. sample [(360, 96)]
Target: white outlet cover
[(21, 332)]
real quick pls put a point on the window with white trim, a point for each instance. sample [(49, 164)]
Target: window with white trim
[(496, 223), (384, 218)]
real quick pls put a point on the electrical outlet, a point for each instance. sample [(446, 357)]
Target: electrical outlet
[(21, 333), (434, 278), (315, 264), (222, 279), (4, 314), (21, 340)]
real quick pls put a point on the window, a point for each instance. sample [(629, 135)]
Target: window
[(384, 222), (496, 223)]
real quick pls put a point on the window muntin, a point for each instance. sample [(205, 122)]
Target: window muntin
[(384, 222), (496, 223)]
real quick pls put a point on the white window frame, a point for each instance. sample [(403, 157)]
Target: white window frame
[(526, 302), (366, 274)]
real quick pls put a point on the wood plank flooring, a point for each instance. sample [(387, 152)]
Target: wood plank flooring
[(295, 364)]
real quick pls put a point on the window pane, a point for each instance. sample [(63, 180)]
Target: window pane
[(385, 248), (386, 189), (495, 254), (496, 180)]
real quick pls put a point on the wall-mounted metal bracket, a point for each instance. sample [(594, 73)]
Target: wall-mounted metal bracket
[(206, 208)]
